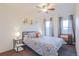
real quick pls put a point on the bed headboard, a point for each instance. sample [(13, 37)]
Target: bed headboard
[(26, 33)]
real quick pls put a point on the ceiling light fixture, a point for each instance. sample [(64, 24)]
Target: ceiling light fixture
[(45, 7)]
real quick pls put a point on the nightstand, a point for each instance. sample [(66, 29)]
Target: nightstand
[(17, 45)]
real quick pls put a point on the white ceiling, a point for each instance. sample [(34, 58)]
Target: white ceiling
[(30, 9)]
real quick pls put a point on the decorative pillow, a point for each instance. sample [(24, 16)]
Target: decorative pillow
[(26, 37), (34, 35), (37, 34)]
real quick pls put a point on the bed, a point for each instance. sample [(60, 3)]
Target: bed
[(45, 46)]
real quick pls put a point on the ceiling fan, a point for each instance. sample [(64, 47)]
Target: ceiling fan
[(46, 6)]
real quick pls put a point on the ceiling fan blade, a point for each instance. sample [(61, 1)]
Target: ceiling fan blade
[(51, 9), (48, 4), (45, 7), (38, 7)]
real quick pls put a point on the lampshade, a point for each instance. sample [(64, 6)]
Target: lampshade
[(17, 34)]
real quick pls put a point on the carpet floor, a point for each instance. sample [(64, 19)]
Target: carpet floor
[(65, 50)]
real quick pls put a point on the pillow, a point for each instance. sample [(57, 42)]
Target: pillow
[(37, 34), (31, 35), (25, 37), (34, 35)]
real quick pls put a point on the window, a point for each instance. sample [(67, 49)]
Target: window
[(67, 29), (49, 28), (66, 26)]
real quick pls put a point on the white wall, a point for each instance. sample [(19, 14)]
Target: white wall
[(12, 16), (9, 23), (77, 28)]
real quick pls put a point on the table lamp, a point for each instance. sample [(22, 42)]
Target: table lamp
[(17, 34)]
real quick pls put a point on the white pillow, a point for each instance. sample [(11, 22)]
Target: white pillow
[(31, 35), (25, 37)]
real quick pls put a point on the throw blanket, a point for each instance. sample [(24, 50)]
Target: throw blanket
[(46, 46)]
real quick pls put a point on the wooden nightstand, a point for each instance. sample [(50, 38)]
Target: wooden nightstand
[(17, 45)]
